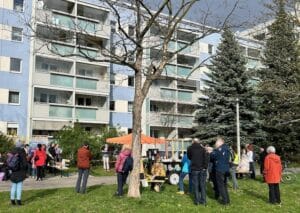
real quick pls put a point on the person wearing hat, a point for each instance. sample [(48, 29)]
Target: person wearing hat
[(18, 175), (84, 157)]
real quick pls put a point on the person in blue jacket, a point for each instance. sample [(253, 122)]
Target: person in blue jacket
[(221, 166), (185, 170)]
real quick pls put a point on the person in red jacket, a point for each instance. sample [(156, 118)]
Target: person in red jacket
[(40, 157), (84, 157), (272, 172)]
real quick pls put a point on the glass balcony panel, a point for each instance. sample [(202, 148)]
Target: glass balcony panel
[(87, 26), (60, 112), (86, 114), (87, 53), (64, 21), (168, 94), (183, 71), (185, 120), (170, 70), (184, 96), (186, 50), (86, 84), (59, 80), (62, 49)]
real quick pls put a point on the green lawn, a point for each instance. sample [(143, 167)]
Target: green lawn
[(252, 197), (96, 171)]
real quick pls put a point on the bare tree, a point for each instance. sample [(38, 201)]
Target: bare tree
[(151, 31)]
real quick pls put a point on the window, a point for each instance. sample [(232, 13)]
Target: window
[(88, 101), (153, 107), (112, 78), (45, 67), (12, 129), (154, 133), (53, 67), (210, 49), (129, 130), (16, 34), (131, 30), (52, 98), (112, 106), (13, 97), (130, 106), (80, 101), (15, 64), (131, 81), (18, 5), (43, 98)]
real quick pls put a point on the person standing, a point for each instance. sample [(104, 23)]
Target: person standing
[(199, 163), (220, 157), (18, 173), (40, 160), (262, 156), (272, 171), (234, 162), (105, 157), (250, 155), (121, 174), (84, 157), (186, 170)]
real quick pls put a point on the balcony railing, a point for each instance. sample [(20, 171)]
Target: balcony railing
[(62, 49), (60, 112), (85, 114), (86, 84), (64, 21), (185, 96), (168, 94), (59, 80)]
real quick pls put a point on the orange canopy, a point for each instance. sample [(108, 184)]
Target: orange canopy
[(127, 139)]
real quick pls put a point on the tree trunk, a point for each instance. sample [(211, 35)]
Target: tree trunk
[(134, 182)]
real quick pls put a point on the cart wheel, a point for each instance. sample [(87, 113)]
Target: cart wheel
[(173, 178)]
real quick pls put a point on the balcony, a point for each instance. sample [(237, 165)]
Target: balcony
[(95, 28), (184, 96), (51, 111), (171, 120), (55, 18), (96, 115), (93, 85), (168, 94)]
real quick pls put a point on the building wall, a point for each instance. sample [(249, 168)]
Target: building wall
[(14, 114)]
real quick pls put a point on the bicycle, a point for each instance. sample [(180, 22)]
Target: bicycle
[(288, 175)]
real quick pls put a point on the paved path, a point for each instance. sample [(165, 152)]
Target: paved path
[(59, 182)]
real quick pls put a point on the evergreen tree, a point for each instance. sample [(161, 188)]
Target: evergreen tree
[(279, 87), (228, 81)]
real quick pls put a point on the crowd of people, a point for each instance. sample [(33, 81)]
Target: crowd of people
[(200, 163)]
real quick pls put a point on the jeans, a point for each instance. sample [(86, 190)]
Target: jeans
[(83, 175), (16, 188), (252, 169), (105, 160), (221, 181), (233, 177), (199, 184), (274, 193), (33, 172), (181, 178), (39, 172), (121, 178)]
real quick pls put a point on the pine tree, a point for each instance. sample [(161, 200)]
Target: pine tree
[(279, 87), (228, 81)]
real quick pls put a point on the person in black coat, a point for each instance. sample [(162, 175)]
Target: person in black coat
[(17, 177), (199, 163)]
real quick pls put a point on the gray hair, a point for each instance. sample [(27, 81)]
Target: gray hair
[(196, 140), (271, 149)]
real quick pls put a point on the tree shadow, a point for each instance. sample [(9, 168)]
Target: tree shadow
[(256, 195), (40, 194)]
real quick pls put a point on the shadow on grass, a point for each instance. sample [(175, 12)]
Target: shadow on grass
[(95, 187), (256, 195), (40, 194)]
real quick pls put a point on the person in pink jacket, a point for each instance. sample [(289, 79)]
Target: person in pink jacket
[(39, 158), (121, 174)]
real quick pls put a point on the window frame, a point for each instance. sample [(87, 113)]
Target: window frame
[(16, 127), (112, 103), (15, 71), (12, 34), (19, 98), (14, 6), (130, 109)]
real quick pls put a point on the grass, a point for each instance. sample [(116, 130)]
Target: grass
[(252, 197)]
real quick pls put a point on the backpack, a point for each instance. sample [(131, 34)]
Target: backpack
[(13, 162), (128, 164)]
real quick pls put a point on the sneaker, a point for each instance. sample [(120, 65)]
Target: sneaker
[(180, 192)]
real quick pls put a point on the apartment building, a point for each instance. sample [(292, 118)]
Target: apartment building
[(68, 88), (58, 85), (14, 67)]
